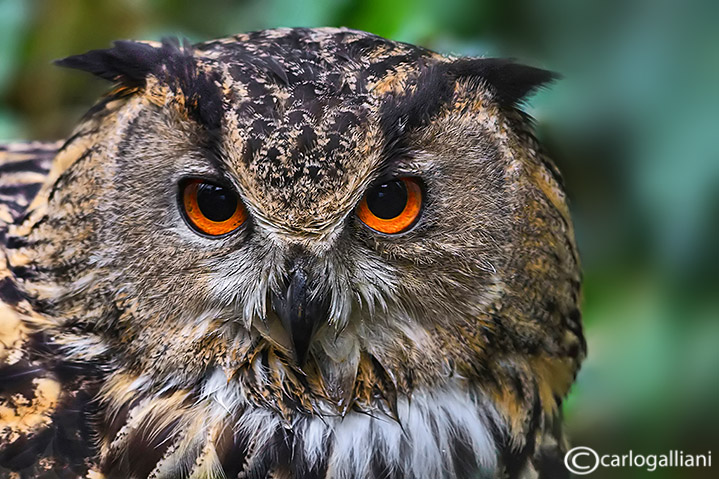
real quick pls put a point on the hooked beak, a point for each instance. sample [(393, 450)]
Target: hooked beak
[(300, 313)]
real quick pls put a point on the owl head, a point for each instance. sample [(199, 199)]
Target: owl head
[(324, 219)]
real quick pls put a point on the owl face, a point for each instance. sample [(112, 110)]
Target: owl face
[(362, 259), (325, 220)]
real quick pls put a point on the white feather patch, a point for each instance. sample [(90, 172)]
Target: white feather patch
[(422, 445)]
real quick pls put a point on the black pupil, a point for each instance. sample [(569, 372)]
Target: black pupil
[(215, 202), (387, 200)]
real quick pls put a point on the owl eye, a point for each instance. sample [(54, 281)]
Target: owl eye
[(391, 207), (212, 209)]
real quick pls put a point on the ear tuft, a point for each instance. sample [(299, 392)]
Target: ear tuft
[(127, 62), (511, 81)]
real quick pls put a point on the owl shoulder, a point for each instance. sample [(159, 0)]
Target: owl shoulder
[(23, 169), (45, 402)]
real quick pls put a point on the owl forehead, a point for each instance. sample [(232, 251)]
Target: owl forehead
[(302, 115), (302, 172)]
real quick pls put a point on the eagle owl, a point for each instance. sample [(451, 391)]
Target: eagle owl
[(293, 253)]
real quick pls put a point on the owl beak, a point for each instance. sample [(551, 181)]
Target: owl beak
[(300, 313)]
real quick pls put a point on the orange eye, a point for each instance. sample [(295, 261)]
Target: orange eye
[(212, 209), (391, 207)]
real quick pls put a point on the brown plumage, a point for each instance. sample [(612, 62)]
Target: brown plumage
[(301, 343)]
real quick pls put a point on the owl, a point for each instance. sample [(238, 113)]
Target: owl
[(290, 254)]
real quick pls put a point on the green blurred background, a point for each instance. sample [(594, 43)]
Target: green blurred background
[(633, 125)]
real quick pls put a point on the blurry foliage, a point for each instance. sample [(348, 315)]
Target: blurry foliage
[(633, 126)]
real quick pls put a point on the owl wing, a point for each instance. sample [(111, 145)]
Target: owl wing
[(542, 458), (44, 402), (23, 168)]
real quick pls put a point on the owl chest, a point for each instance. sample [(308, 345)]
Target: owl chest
[(446, 433)]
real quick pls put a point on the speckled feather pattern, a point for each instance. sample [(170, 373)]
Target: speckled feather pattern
[(133, 347)]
